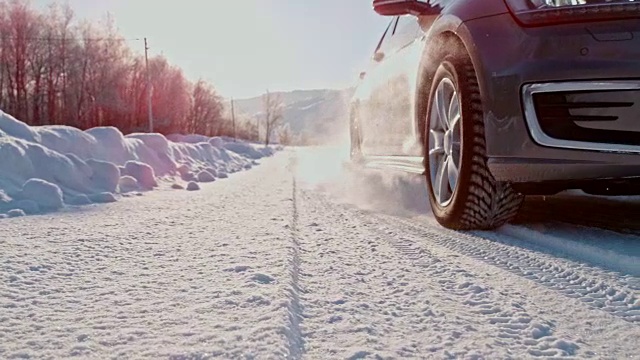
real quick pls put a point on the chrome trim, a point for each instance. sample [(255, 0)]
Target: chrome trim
[(540, 137)]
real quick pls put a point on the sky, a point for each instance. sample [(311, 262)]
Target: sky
[(246, 47)]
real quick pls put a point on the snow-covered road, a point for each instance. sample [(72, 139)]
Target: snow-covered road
[(302, 258)]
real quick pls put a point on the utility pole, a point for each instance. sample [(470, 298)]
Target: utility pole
[(233, 120), (149, 102), (267, 109)]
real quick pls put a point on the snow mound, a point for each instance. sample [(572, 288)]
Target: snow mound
[(28, 206), (14, 128), (190, 139), (128, 184), (103, 198), (217, 142), (142, 172), (247, 150), (205, 176), (105, 175), (212, 171), (80, 199), (47, 195), (16, 213), (48, 167), (5, 200), (193, 186)]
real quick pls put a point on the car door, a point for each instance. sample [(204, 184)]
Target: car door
[(372, 78), (402, 67), (386, 109)]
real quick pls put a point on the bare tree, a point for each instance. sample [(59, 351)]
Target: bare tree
[(273, 114), (284, 135), (19, 25), (56, 70), (206, 111), (246, 127)]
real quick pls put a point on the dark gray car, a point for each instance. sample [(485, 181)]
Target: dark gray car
[(496, 99)]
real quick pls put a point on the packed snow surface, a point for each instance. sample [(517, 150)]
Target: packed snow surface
[(302, 258), (43, 169)]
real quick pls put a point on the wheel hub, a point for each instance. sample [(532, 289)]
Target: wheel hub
[(445, 136)]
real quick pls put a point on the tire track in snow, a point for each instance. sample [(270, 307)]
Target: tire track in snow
[(602, 248), (419, 256), (512, 323), (485, 308), (594, 289), (294, 334), (455, 295), (517, 319)]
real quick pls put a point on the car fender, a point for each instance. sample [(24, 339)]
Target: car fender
[(450, 22)]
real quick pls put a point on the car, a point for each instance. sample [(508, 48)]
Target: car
[(495, 100)]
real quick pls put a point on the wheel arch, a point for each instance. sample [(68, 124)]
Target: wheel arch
[(448, 29), (478, 200)]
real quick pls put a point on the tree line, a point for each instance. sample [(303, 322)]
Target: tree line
[(57, 71)]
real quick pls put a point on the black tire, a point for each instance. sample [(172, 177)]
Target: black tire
[(479, 202)]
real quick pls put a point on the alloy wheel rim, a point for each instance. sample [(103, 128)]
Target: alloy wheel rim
[(445, 136)]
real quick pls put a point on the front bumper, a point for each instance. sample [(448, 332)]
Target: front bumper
[(511, 60)]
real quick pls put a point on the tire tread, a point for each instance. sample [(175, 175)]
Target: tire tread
[(489, 204)]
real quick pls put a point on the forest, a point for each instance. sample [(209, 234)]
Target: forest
[(59, 70)]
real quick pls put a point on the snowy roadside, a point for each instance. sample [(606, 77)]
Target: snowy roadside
[(295, 260), (404, 287), (174, 274), (43, 169)]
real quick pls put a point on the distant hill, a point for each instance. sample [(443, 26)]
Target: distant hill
[(312, 114)]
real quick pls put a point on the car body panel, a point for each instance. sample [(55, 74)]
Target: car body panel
[(385, 95), (506, 57)]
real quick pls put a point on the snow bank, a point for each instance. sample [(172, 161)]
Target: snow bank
[(206, 176), (128, 184), (46, 168), (248, 150), (143, 173), (45, 194), (193, 186)]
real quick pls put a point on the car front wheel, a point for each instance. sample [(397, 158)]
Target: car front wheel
[(463, 193)]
